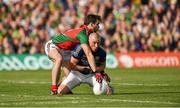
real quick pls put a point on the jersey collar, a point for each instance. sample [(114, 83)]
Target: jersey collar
[(88, 30)]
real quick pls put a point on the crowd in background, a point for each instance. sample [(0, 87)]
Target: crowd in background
[(128, 25)]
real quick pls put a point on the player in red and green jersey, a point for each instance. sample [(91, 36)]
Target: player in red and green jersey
[(68, 40), (59, 48)]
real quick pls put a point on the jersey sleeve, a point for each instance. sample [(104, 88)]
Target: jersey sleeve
[(77, 52), (82, 37)]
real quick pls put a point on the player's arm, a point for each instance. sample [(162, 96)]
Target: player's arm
[(89, 56), (82, 37), (74, 65)]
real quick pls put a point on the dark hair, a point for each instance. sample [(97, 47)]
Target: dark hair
[(91, 18)]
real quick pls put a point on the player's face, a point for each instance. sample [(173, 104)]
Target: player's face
[(96, 27), (94, 44)]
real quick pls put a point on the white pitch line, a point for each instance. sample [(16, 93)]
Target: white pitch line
[(75, 101), (43, 97), (121, 84), (140, 84), (78, 100), (138, 101), (25, 82)]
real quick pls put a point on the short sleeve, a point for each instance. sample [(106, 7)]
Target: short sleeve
[(77, 52)]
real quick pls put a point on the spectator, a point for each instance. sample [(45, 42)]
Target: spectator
[(129, 26)]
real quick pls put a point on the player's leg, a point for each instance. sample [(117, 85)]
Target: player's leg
[(88, 79), (57, 59), (66, 68), (66, 61), (110, 90), (65, 64), (69, 83)]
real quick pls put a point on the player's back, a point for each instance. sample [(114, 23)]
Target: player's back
[(99, 55), (69, 39)]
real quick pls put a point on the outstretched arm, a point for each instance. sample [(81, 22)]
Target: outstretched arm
[(89, 56)]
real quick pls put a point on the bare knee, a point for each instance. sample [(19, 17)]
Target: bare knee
[(58, 60), (56, 56)]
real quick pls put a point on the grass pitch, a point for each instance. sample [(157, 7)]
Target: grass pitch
[(145, 87)]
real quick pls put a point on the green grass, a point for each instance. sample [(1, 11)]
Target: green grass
[(145, 87)]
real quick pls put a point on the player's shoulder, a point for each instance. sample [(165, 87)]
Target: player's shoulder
[(78, 49)]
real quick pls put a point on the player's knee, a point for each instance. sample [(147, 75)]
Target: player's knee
[(63, 89), (58, 60), (54, 54)]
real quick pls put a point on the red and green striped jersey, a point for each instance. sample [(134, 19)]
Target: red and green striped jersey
[(69, 39)]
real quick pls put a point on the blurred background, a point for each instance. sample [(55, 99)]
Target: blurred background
[(140, 34), (128, 25), (146, 29)]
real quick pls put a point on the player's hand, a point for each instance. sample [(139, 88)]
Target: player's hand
[(99, 77), (109, 90), (106, 77)]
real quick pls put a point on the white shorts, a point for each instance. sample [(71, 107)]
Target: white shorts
[(75, 78), (66, 54)]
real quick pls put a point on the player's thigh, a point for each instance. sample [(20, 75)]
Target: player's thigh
[(66, 55), (66, 67), (89, 79), (66, 61), (55, 55), (71, 81)]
